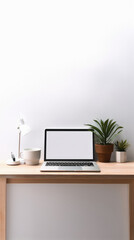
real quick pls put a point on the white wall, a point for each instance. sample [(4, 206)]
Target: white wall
[(64, 63)]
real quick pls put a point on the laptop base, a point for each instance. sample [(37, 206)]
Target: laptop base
[(93, 168)]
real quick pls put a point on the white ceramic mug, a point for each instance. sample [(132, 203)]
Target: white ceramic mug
[(31, 156)]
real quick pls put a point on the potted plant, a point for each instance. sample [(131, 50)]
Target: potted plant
[(105, 132), (121, 147)]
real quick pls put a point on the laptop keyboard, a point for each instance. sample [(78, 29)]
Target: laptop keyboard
[(70, 163)]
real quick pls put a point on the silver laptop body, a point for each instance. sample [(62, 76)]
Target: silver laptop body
[(69, 150)]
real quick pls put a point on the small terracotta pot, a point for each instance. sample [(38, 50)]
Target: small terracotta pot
[(104, 152)]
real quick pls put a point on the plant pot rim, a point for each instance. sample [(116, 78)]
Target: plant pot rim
[(121, 151), (104, 144)]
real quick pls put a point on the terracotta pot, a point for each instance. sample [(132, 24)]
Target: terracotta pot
[(104, 152)]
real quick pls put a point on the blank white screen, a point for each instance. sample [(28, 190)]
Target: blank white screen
[(69, 145)]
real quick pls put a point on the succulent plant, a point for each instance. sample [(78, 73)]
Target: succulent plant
[(122, 146)]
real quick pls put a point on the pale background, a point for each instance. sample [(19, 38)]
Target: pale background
[(62, 64)]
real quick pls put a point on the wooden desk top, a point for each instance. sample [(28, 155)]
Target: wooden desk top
[(110, 171), (111, 168)]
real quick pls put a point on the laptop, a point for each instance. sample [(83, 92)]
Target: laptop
[(69, 150)]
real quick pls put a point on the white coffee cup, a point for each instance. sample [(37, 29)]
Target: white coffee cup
[(31, 156)]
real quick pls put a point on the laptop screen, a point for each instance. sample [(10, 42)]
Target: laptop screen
[(69, 144)]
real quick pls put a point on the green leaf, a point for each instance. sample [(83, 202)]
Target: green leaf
[(111, 124), (96, 129), (114, 136), (97, 123), (114, 132)]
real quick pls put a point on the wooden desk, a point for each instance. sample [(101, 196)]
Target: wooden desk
[(111, 173)]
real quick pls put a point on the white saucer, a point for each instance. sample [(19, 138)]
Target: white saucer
[(12, 163)]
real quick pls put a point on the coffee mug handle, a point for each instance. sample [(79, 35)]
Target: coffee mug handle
[(21, 155)]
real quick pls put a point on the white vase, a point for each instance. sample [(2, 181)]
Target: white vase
[(121, 157)]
